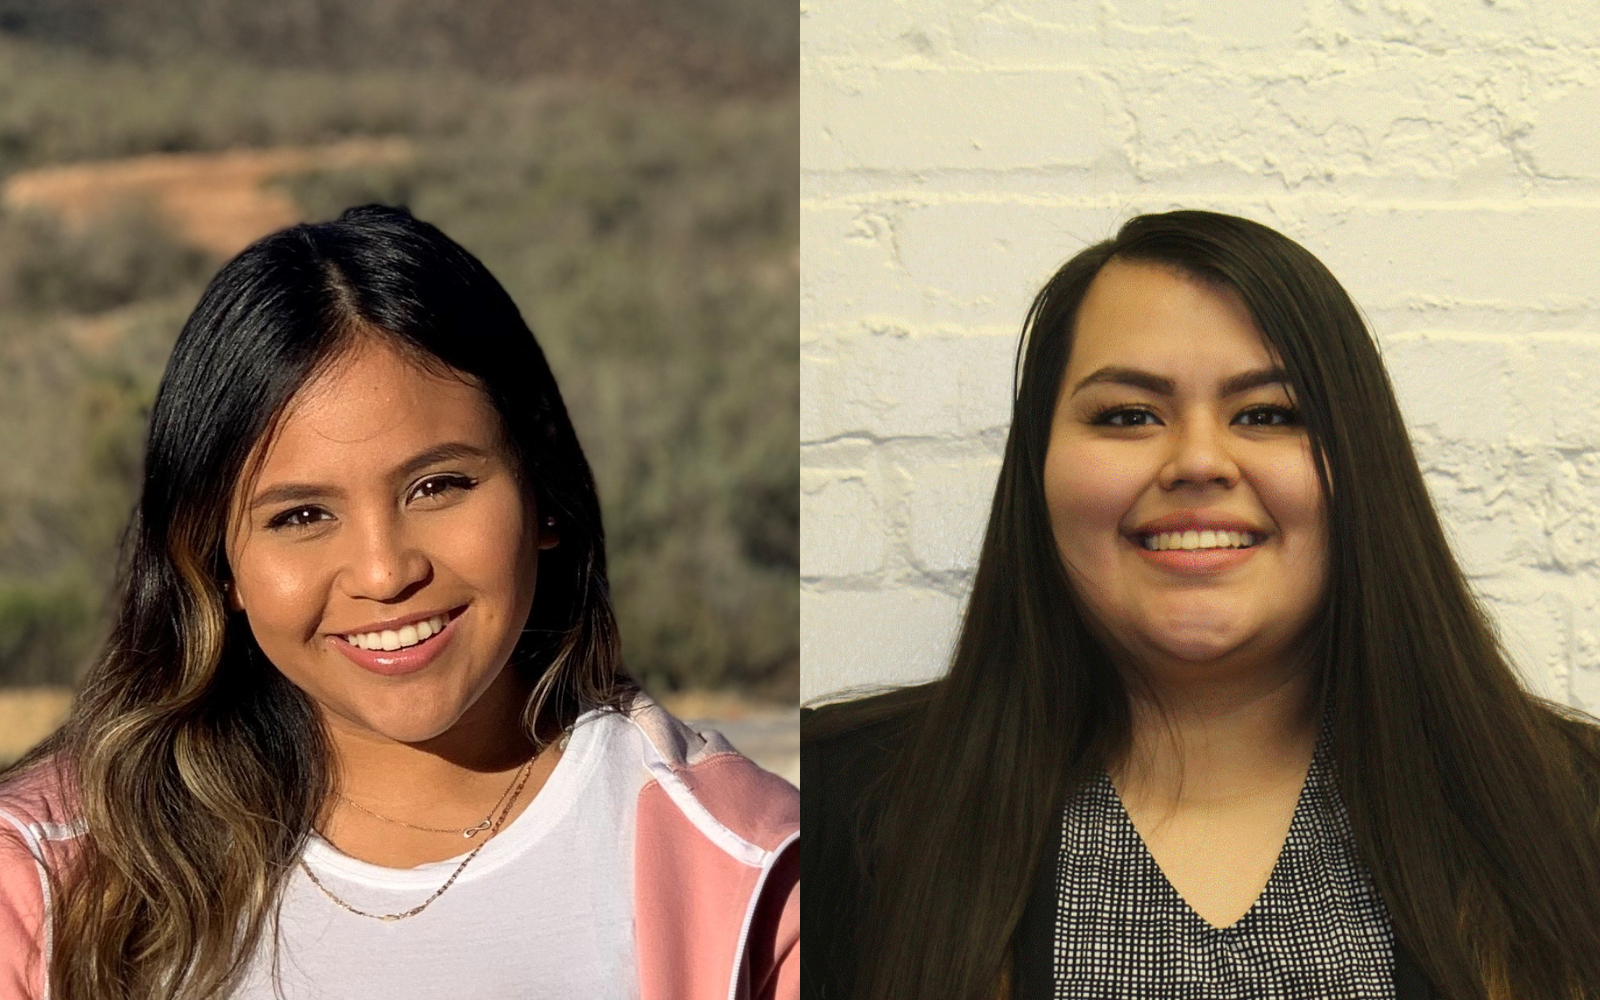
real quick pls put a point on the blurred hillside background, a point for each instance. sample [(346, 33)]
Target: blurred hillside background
[(627, 168)]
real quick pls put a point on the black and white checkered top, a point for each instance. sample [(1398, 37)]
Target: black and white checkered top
[(1319, 929)]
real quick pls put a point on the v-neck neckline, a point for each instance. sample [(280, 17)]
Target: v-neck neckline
[(1124, 820)]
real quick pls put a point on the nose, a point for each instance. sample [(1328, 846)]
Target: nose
[(383, 563), (1199, 456)]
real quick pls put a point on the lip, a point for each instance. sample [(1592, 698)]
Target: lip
[(1202, 562), (1197, 521), (394, 624), (397, 662)]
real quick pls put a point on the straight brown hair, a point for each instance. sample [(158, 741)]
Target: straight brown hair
[(1475, 804)]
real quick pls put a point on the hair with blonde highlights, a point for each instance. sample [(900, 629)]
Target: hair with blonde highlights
[(196, 768)]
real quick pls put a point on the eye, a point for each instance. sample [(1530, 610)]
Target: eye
[(298, 517), (1124, 416), (1268, 416), (439, 486)]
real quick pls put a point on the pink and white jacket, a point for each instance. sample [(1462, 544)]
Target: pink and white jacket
[(716, 871)]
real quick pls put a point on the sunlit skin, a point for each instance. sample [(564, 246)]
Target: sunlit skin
[(347, 522), (1172, 409)]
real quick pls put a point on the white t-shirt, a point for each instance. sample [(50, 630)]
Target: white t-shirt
[(544, 911)]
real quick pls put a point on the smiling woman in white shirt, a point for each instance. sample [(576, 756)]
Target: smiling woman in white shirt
[(362, 727), (1224, 718)]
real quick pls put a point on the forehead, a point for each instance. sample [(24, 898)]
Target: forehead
[(373, 406), (1154, 316)]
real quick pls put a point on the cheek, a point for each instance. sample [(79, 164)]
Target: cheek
[(493, 549), (283, 595), (1293, 496), (1089, 495)]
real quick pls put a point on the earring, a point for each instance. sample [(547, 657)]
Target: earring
[(550, 521)]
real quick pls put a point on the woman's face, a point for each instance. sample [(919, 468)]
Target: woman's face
[(386, 505), (1181, 484)]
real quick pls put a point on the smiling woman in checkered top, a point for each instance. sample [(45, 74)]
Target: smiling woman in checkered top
[(1224, 719)]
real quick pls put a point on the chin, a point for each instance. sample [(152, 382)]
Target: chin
[(1197, 651), (1214, 631), (408, 727), (1197, 642)]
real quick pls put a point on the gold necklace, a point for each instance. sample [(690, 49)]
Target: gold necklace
[(494, 828), (467, 832)]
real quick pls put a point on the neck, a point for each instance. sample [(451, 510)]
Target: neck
[(457, 772), (1218, 740)]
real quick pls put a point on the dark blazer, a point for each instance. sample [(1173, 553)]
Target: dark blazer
[(842, 759)]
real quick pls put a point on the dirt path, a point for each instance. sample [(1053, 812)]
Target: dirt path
[(217, 201)]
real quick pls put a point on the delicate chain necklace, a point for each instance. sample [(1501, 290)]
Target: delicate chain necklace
[(505, 804), (468, 832)]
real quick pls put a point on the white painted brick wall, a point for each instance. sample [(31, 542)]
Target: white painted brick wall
[(1443, 158)]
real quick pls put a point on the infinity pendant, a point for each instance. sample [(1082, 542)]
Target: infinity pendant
[(473, 831)]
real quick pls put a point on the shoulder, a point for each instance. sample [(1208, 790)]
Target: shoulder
[(695, 776), (715, 863), (870, 722), (846, 750), (846, 747), (35, 807), (35, 828), (1579, 733)]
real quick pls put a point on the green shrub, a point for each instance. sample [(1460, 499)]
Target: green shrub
[(700, 46), (650, 243), (46, 630), (123, 256)]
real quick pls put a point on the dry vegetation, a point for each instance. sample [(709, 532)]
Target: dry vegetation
[(699, 48), (27, 715), (644, 217)]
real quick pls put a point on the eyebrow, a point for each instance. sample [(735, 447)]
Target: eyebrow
[(300, 492), (1162, 386)]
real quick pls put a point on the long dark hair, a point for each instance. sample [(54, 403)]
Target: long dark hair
[(1475, 804), (198, 769)]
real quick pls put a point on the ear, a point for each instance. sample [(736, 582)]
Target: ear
[(230, 594), (549, 537)]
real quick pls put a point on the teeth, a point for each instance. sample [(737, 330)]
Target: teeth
[(406, 635), (1191, 541)]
